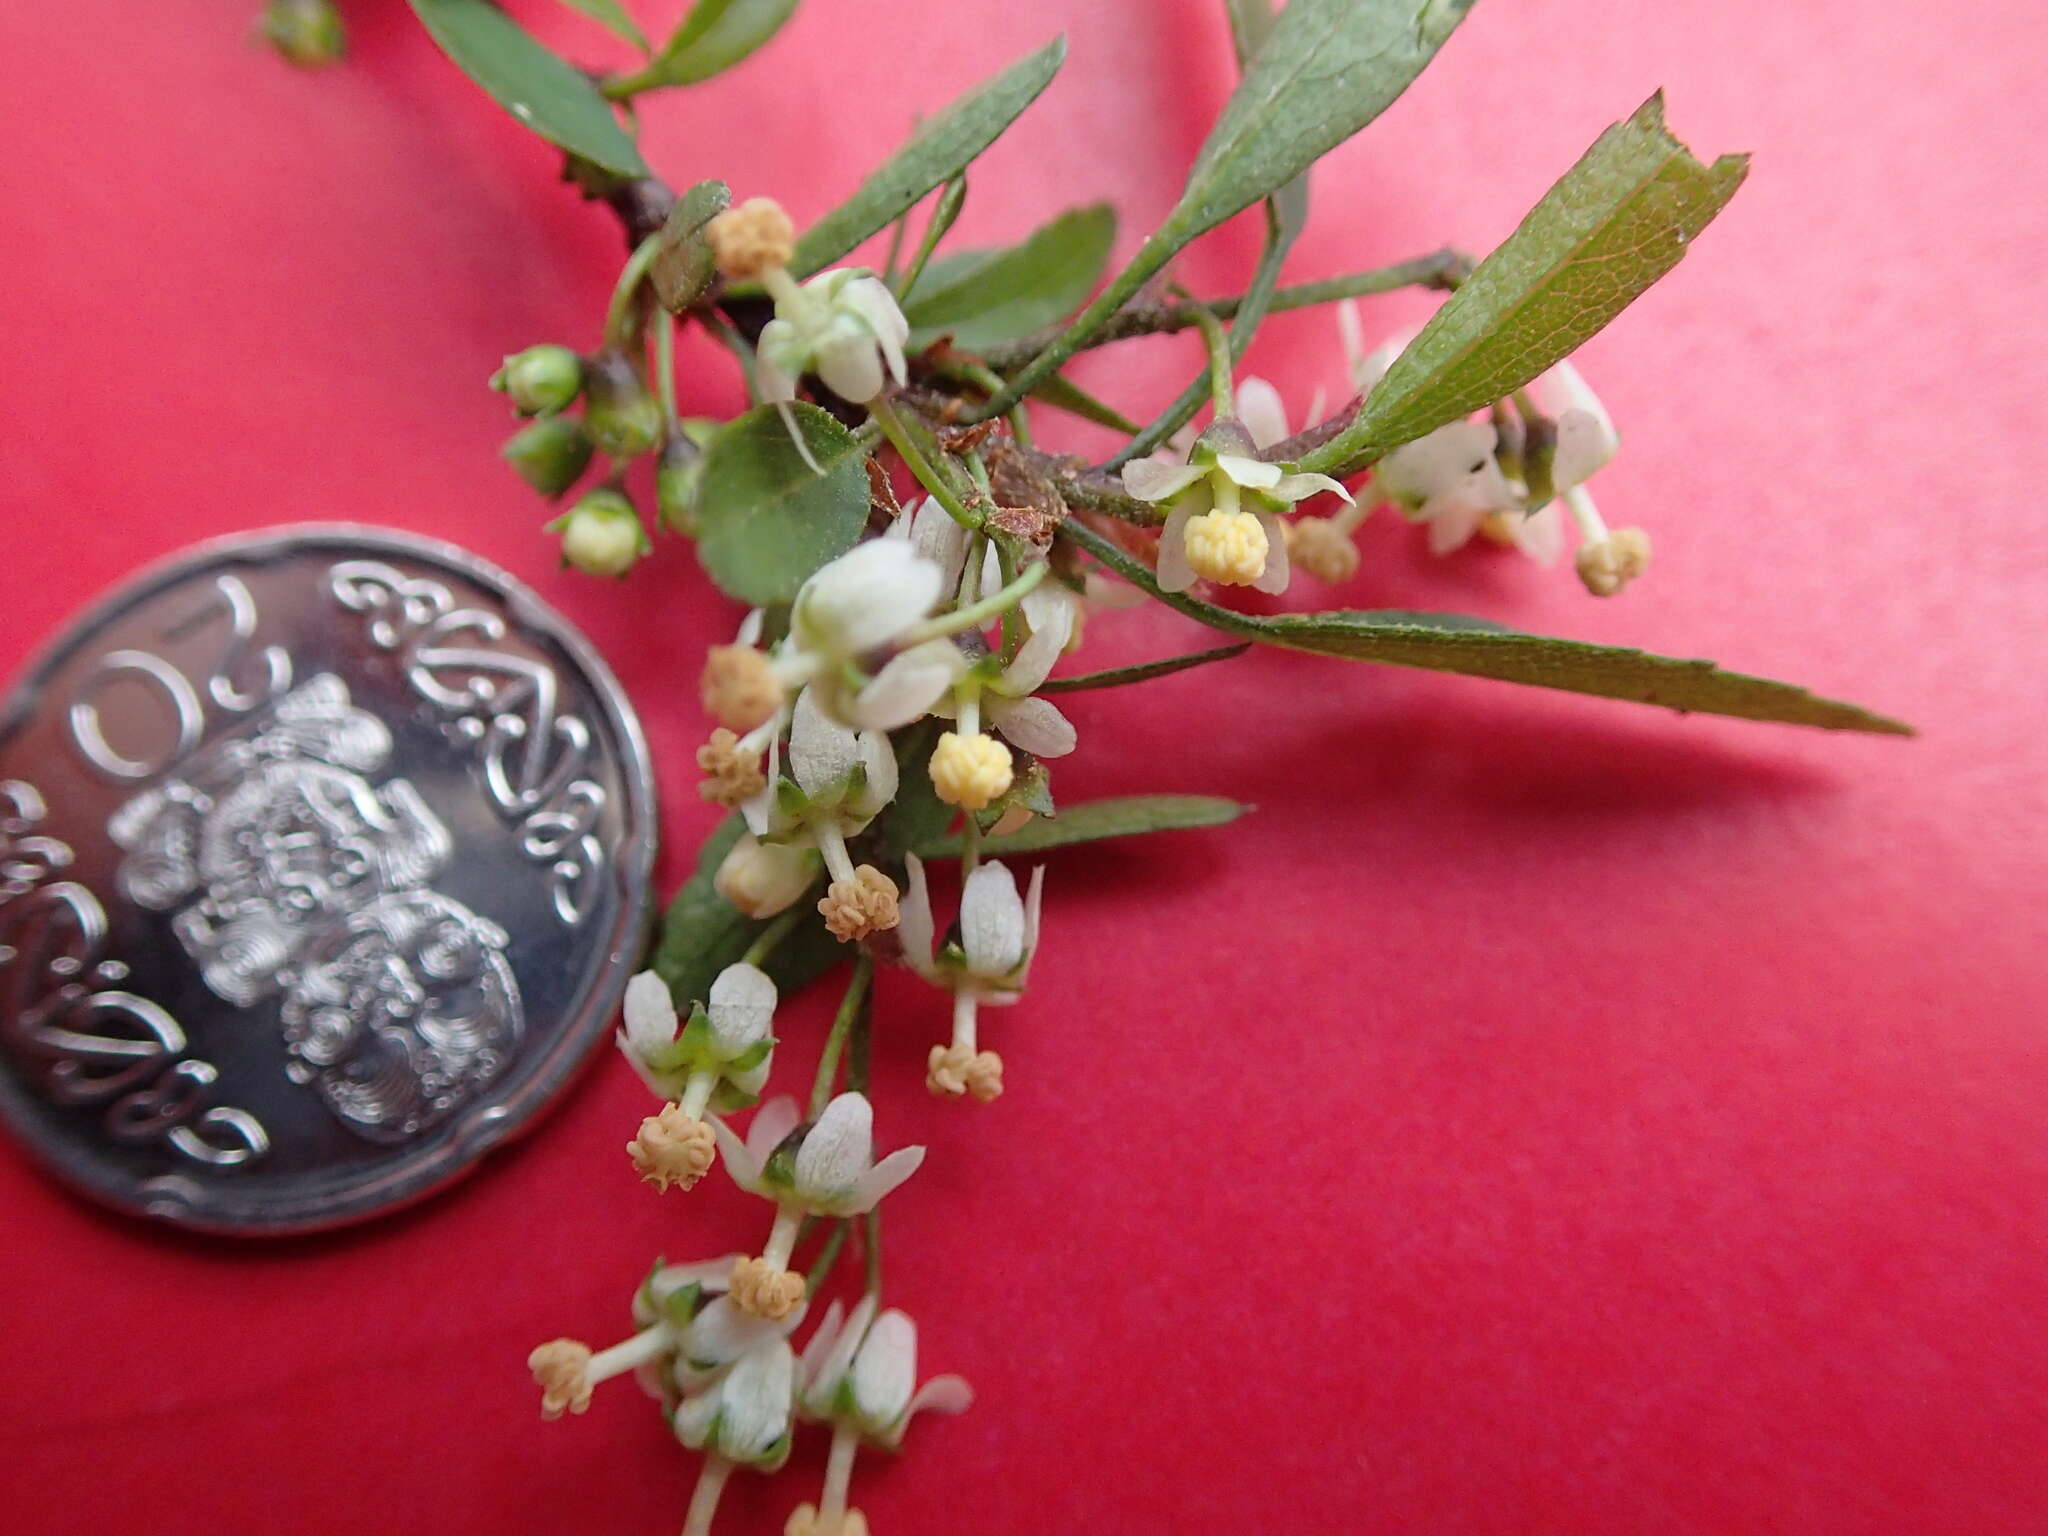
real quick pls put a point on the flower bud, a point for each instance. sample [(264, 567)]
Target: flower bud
[(541, 380), (680, 473), (304, 32), (550, 455), (601, 535), (623, 418), (762, 879)]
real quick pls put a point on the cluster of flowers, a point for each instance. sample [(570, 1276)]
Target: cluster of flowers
[(936, 616)]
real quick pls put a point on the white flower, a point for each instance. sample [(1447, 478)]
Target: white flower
[(1586, 442), (1222, 525), (744, 1413), (863, 600), (762, 879), (843, 325), (1029, 722), (860, 1371), (728, 1039), (998, 932), (833, 1171)]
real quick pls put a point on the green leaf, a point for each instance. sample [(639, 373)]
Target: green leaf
[(938, 151), (552, 97), (716, 35), (612, 15), (702, 933), (1477, 648), (1094, 820), (1143, 672), (765, 519), (1325, 70), (1062, 393), (1618, 220), (684, 266), (985, 298)]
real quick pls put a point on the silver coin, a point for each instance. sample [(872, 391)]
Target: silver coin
[(324, 857)]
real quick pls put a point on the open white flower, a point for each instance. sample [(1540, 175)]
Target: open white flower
[(727, 1041), (843, 325), (988, 965), (858, 1373), (1222, 525), (664, 1307), (744, 1413), (855, 604)]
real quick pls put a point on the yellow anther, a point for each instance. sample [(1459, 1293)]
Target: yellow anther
[(759, 1289), (970, 771), (855, 908), (1227, 547), (1607, 565), (739, 687), (672, 1148), (749, 239), (730, 775), (1323, 549), (560, 1367)]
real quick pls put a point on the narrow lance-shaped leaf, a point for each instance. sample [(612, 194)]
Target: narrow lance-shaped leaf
[(985, 298), (1094, 820), (702, 933), (1324, 70), (1477, 648), (939, 150), (1142, 672), (1618, 220), (545, 92), (766, 519), (613, 16), (716, 35)]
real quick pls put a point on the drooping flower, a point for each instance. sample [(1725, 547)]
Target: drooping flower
[(1223, 524), (827, 1168), (568, 1370), (843, 325), (721, 1057), (989, 964), (858, 1373)]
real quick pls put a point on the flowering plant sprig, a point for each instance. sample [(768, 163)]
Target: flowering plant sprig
[(914, 567)]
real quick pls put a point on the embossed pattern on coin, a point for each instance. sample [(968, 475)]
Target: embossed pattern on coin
[(324, 857)]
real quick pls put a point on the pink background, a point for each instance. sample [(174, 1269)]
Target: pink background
[(1544, 1114)]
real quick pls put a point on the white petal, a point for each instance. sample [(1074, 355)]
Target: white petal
[(711, 1274), (1051, 617), (741, 1008), (1253, 474), (1275, 576), (1540, 535), (1452, 527), (771, 1124), (935, 535), (758, 1394), (885, 1371), (751, 627), (879, 1180), (869, 595), (914, 919), (1035, 724), (1351, 330), (871, 299), (758, 809), (740, 1163), (1175, 574), (837, 1150), (942, 1394), (1150, 480), (832, 1366), (1034, 897), (1586, 439), (852, 368), (779, 344), (992, 921), (721, 1333), (1260, 408), (650, 1014), (1435, 463), (694, 1418), (879, 787), (907, 687), (1300, 487), (661, 1085), (818, 1350), (822, 752)]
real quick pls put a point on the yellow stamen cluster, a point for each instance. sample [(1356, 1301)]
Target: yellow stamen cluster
[(1323, 549), (804, 1520), (730, 775), (855, 908), (739, 687), (749, 239), (1227, 547), (673, 1148), (1607, 565), (970, 771), (954, 1070), (559, 1366), (759, 1289)]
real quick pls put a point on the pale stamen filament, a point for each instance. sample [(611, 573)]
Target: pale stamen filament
[(704, 1502), (832, 844), (697, 1093)]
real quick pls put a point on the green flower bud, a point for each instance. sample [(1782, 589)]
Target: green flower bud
[(541, 380), (307, 33), (601, 534), (624, 419), (550, 455), (681, 471)]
